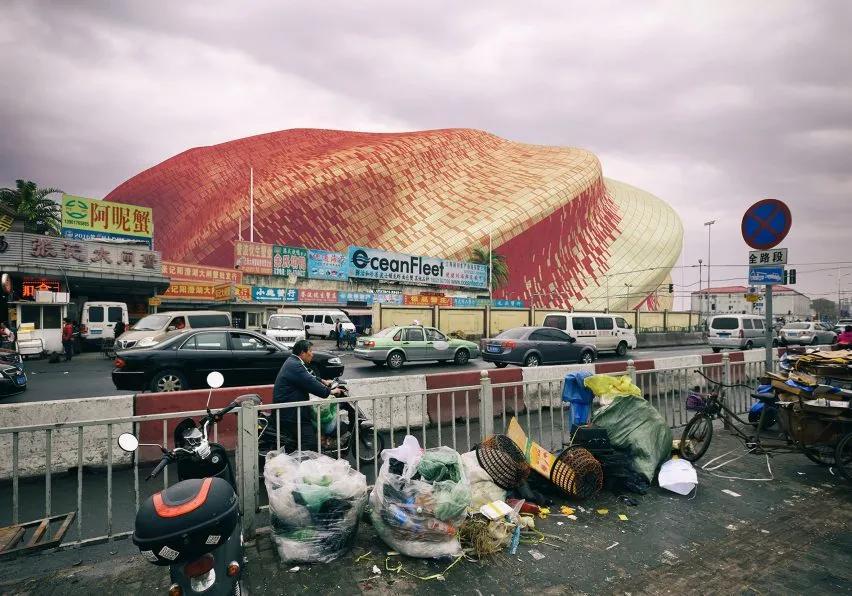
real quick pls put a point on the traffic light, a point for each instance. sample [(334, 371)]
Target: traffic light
[(785, 278), (671, 288), (792, 277)]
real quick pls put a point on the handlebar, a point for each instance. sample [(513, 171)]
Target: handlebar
[(721, 384), (156, 471)]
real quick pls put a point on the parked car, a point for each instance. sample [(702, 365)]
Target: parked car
[(13, 380), (536, 346), (736, 331), (807, 333), (841, 324), (321, 323), (604, 331), (98, 320), (286, 329), (142, 332), (395, 346), (180, 360)]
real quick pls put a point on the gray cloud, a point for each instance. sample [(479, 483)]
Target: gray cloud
[(710, 106)]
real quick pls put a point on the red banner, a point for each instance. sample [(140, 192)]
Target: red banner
[(318, 296), (420, 300), (191, 290), (183, 272)]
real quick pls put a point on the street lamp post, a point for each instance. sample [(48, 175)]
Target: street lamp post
[(700, 296), (709, 225)]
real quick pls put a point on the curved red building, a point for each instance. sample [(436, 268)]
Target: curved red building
[(564, 229)]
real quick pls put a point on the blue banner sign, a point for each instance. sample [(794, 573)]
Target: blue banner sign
[(344, 297), (766, 275), (371, 263), (502, 303), (262, 294), (324, 264)]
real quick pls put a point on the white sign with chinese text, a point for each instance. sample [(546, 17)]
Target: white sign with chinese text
[(773, 256)]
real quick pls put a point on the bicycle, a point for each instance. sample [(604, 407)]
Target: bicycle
[(698, 432)]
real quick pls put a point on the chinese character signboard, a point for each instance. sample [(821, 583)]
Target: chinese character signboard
[(420, 300), (324, 264), (263, 294), (242, 293), (361, 297), (385, 298), (31, 286), (766, 275), (289, 260), (192, 291), (318, 296), (90, 219), (503, 303), (466, 302), (47, 251), (371, 263), (202, 274), (253, 257), (773, 256)]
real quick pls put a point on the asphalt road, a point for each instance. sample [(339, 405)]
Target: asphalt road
[(88, 375)]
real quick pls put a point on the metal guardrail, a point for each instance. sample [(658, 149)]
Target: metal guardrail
[(474, 412)]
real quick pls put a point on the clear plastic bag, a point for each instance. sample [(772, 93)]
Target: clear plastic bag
[(414, 516), (315, 503)]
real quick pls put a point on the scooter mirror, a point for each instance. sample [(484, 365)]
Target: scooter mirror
[(215, 380), (128, 442)]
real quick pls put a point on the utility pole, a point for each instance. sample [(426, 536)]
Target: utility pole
[(700, 295), (709, 225), (628, 296)]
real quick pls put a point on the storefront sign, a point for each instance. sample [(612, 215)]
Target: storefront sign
[(155, 301), (31, 286), (318, 296), (371, 263), (241, 292), (46, 251), (362, 297), (191, 291), (501, 303), (289, 260), (421, 300), (263, 294), (253, 257), (184, 272), (387, 298), (324, 264), (467, 302), (89, 219)]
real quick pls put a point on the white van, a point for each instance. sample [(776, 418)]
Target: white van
[(285, 328), (98, 319), (742, 332), (153, 325), (321, 323), (605, 331)]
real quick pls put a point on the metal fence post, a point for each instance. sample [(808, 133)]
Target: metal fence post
[(631, 370), (726, 380), (486, 406), (247, 466)]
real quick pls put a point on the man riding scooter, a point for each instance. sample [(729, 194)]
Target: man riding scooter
[(294, 383)]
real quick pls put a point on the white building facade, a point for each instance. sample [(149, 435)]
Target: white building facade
[(786, 302)]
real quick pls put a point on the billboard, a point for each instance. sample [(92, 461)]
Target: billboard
[(318, 296), (361, 297), (289, 260), (93, 219), (253, 257), (264, 294), (371, 263), (420, 300), (201, 273), (324, 264)]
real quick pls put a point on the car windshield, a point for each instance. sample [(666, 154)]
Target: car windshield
[(799, 326), (151, 323), (725, 323), (513, 333), (286, 322), (386, 332)]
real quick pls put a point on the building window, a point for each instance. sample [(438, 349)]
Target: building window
[(52, 316), (31, 314)]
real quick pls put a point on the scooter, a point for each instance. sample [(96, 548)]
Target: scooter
[(368, 443), (194, 526)]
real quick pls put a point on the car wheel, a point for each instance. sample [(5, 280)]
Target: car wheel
[(586, 357), (749, 345), (462, 357), (717, 350), (169, 380), (532, 360), (621, 350), (395, 360), (501, 364)]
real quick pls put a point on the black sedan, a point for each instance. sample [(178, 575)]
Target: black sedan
[(13, 380), (181, 360), (536, 346)]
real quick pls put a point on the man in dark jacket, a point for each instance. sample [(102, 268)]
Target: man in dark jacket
[(295, 383)]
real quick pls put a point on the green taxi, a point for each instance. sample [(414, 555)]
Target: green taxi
[(395, 346)]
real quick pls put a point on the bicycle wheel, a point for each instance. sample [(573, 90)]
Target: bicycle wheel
[(843, 456), (819, 454), (367, 450), (696, 438)]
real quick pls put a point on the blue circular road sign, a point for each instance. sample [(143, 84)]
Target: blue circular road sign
[(766, 224)]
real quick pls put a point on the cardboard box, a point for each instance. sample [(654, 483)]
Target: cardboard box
[(540, 459)]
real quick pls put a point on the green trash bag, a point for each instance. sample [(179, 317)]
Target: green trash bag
[(327, 414), (439, 465), (635, 425)]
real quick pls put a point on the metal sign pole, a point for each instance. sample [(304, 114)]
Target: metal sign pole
[(770, 329)]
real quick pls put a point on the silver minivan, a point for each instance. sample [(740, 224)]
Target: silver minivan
[(604, 331), (142, 333), (735, 331)]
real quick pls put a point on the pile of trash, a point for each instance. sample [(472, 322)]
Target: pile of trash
[(315, 502)]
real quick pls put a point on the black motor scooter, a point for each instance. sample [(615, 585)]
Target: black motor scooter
[(194, 526)]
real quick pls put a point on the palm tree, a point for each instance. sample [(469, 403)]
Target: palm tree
[(40, 213), (499, 268)]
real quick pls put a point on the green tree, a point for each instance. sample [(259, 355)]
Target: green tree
[(39, 212), (499, 268), (824, 308)]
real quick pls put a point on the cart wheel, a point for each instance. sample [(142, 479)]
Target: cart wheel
[(843, 456), (819, 454)]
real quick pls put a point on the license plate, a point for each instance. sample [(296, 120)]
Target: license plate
[(21, 380), (724, 335), (95, 331), (493, 349)]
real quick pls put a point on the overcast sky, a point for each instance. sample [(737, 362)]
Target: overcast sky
[(709, 105)]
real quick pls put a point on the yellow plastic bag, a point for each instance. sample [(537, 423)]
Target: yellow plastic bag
[(605, 386)]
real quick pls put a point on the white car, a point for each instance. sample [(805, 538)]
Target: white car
[(808, 333), (285, 329)]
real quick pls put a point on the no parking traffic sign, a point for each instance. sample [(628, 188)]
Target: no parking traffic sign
[(766, 223)]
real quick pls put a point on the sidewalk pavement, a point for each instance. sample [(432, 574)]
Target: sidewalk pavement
[(792, 535)]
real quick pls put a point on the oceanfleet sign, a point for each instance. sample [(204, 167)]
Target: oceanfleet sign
[(370, 263)]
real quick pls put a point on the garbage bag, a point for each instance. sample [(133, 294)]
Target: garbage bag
[(574, 390), (606, 386), (678, 476), (482, 487), (637, 427), (315, 504), (419, 515)]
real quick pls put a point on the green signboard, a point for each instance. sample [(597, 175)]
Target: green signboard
[(289, 260)]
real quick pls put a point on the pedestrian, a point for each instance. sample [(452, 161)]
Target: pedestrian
[(68, 339), (120, 328), (7, 336), (338, 331), (844, 340)]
